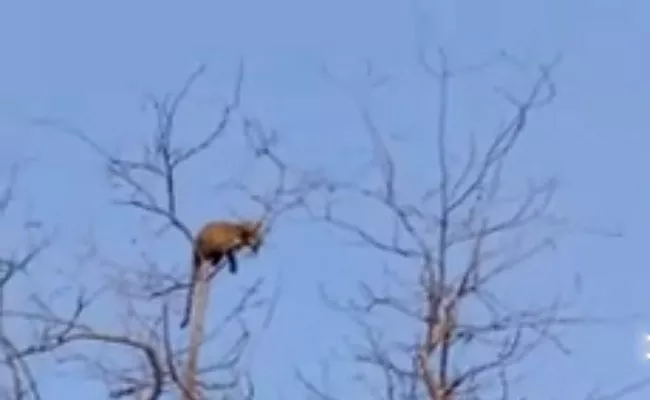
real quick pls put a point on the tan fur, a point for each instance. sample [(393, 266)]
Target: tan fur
[(216, 240)]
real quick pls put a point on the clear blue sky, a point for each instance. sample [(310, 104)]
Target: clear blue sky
[(90, 62)]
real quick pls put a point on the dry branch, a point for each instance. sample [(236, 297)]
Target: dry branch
[(465, 219), (161, 162)]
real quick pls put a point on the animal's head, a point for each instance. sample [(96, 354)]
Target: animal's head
[(252, 235)]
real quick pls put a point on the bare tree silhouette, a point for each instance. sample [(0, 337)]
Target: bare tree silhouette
[(447, 253), (148, 329)]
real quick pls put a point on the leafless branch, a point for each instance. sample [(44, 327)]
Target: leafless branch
[(161, 162), (473, 216), (22, 382)]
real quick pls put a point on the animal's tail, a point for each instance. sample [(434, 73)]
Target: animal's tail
[(196, 263)]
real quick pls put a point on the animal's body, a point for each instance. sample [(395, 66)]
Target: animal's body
[(216, 240)]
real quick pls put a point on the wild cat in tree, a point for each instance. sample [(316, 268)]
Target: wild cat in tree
[(216, 240)]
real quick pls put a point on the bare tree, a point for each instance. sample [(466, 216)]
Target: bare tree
[(18, 377), (438, 325), (152, 360)]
